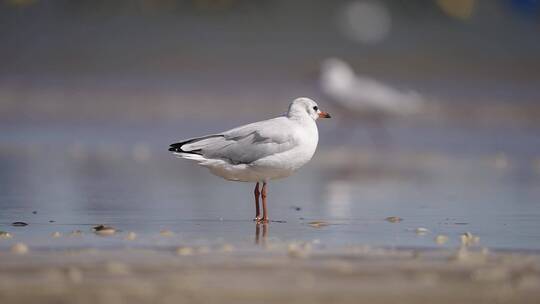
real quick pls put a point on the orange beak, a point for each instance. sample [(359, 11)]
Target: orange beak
[(324, 115)]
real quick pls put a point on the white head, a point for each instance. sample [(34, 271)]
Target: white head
[(305, 107), (336, 73)]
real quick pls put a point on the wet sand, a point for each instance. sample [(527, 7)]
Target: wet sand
[(272, 272)]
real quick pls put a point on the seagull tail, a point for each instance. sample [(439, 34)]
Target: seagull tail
[(185, 150)]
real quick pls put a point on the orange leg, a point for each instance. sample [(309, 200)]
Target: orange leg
[(257, 210), (265, 211)]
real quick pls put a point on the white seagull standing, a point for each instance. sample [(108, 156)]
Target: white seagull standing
[(260, 151)]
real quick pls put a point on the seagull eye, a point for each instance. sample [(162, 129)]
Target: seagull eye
[(315, 108)]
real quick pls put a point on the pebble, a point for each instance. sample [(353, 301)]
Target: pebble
[(166, 233), (19, 224), (131, 236), (104, 230), (5, 235), (393, 219), (34, 212), (441, 239), (56, 234), (421, 231), (318, 224), (184, 251), (19, 248)]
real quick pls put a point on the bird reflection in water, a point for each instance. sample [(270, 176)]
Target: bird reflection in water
[(258, 240)]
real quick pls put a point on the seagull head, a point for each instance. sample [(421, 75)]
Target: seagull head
[(303, 106), (335, 67), (336, 74)]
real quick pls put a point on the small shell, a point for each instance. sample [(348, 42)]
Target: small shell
[(19, 248), (5, 235), (441, 239), (166, 233), (421, 230), (318, 224), (184, 251), (56, 234), (104, 230), (393, 219)]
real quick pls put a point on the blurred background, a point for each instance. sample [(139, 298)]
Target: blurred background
[(435, 107)]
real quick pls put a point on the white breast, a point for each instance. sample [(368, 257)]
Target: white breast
[(306, 137)]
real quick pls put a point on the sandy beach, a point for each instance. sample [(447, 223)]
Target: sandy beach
[(269, 273)]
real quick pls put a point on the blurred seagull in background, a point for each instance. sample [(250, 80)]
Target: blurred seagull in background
[(260, 151), (363, 96), (362, 99)]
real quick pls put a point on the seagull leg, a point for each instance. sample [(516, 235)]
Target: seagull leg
[(265, 213), (257, 210)]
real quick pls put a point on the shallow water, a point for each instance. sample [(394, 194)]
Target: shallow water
[(448, 180)]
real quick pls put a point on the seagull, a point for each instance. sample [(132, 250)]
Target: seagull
[(363, 95), (260, 151)]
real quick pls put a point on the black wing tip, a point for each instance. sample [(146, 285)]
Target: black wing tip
[(177, 148)]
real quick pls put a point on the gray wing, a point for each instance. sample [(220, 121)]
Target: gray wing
[(245, 144)]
